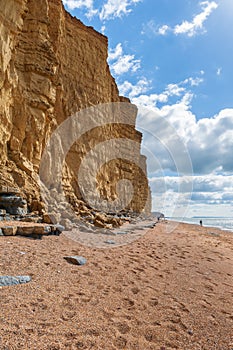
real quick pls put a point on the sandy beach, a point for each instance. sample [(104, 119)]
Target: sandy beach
[(162, 291)]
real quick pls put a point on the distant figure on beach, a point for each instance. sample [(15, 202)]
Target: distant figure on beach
[(201, 222)]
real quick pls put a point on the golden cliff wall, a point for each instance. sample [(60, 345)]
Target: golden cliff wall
[(51, 66)]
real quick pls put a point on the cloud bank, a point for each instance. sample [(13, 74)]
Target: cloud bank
[(208, 142), (171, 132)]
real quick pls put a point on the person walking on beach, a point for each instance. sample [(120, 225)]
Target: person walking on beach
[(201, 222)]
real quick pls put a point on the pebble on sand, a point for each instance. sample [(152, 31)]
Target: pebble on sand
[(13, 280), (76, 260), (110, 241)]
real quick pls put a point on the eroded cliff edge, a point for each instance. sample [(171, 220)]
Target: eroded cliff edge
[(52, 66)]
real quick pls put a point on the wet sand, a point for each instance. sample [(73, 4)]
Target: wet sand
[(163, 291)]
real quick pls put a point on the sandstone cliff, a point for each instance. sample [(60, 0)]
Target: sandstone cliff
[(52, 66)]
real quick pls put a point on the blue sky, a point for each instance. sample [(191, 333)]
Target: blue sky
[(173, 58)]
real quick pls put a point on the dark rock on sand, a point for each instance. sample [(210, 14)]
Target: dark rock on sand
[(58, 229), (76, 260)]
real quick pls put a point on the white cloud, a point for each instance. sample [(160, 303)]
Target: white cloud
[(191, 28), (121, 63), (208, 141), (109, 10), (149, 100), (116, 8), (88, 5), (115, 53), (174, 89), (186, 27), (125, 64), (219, 71), (176, 143), (195, 81), (138, 93), (102, 29), (131, 90), (163, 30)]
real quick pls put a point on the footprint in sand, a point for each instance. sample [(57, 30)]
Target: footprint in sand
[(176, 320), (153, 302), (209, 287), (120, 342), (151, 335), (80, 345), (135, 290), (123, 327), (182, 307), (93, 332), (128, 303), (67, 315), (70, 335), (106, 291)]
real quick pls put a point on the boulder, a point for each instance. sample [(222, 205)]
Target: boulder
[(9, 230), (99, 224), (25, 230), (67, 224), (42, 230), (51, 218), (33, 230), (115, 222), (58, 228), (100, 217), (37, 206), (30, 219), (14, 205), (8, 189)]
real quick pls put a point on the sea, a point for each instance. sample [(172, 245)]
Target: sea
[(223, 223)]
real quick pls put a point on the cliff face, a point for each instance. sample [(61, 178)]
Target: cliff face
[(52, 66)]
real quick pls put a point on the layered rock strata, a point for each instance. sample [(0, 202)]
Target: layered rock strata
[(51, 67)]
